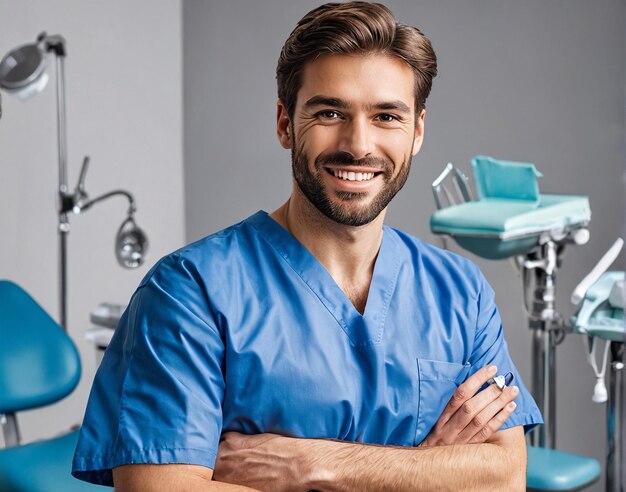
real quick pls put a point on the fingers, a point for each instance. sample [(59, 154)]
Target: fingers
[(494, 424), (469, 419), (466, 391), (489, 418)]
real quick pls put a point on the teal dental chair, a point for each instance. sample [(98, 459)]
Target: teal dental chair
[(601, 317), (511, 219), (39, 365)]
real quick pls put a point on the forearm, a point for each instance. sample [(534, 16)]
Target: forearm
[(340, 466), (278, 463), (184, 484), (187, 478)]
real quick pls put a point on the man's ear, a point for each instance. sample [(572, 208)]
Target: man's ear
[(283, 125), (419, 132)]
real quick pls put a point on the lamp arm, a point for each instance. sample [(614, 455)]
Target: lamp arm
[(132, 207)]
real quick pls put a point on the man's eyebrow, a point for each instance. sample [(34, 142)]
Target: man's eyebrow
[(335, 102), (392, 106), (325, 101)]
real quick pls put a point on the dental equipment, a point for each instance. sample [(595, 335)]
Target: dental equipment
[(511, 219), (23, 73), (601, 317), (594, 275), (105, 318)]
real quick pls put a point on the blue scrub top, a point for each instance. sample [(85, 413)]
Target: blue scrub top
[(246, 331)]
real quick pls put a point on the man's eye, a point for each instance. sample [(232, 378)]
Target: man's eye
[(386, 117), (329, 115)]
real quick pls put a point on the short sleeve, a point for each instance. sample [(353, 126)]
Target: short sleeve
[(490, 347), (157, 396)]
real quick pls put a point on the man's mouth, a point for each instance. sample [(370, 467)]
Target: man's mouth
[(351, 175)]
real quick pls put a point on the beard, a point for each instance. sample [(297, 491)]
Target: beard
[(348, 210)]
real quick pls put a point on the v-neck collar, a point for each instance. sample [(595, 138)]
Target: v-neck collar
[(363, 330)]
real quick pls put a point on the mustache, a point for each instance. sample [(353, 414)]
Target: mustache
[(344, 158)]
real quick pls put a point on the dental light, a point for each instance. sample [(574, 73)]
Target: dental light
[(24, 73)]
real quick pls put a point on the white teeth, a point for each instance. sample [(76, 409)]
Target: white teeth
[(352, 176)]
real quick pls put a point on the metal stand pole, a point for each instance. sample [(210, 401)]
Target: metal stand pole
[(64, 225), (615, 421), (545, 322), (64, 229), (543, 384)]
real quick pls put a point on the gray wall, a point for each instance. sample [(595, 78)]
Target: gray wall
[(124, 109), (536, 81)]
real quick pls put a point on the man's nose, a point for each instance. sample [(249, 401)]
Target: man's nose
[(357, 138)]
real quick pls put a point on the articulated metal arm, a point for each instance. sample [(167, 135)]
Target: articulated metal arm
[(79, 201)]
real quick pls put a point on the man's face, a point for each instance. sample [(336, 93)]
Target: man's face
[(353, 134)]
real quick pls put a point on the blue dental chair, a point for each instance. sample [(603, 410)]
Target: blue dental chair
[(511, 219), (39, 365)]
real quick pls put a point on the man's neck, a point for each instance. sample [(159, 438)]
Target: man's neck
[(347, 252)]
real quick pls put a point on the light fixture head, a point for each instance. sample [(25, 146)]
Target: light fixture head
[(131, 244), (23, 71)]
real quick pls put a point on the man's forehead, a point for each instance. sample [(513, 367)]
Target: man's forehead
[(373, 79)]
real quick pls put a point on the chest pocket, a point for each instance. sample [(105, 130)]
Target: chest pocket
[(437, 382)]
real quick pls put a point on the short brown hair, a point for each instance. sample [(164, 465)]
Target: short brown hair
[(353, 28)]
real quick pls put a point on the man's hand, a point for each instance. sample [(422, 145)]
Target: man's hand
[(471, 418)]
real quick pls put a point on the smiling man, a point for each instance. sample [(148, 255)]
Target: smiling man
[(361, 136), (314, 347)]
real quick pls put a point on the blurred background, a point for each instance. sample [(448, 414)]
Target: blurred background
[(175, 101)]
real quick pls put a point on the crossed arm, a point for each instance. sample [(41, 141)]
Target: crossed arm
[(464, 451)]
